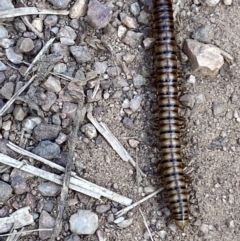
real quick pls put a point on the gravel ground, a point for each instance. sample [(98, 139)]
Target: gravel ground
[(109, 44)]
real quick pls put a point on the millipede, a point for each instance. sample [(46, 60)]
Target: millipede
[(168, 103)]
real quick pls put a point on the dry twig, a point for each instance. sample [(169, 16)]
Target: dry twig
[(13, 98), (43, 50), (145, 223), (125, 210), (16, 12), (81, 111), (112, 140), (29, 25)]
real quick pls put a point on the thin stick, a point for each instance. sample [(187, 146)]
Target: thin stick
[(26, 231), (81, 111), (43, 50), (125, 210), (112, 140), (13, 98), (145, 223), (29, 25), (86, 187), (16, 12)]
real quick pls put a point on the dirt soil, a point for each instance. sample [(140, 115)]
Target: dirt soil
[(211, 144)]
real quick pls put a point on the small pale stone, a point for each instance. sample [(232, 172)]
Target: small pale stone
[(162, 234), (148, 42), (227, 2), (30, 122), (3, 32), (81, 53), (89, 130), (25, 45), (6, 43), (187, 100), (205, 59), (210, 3), (49, 189), (60, 68), (204, 228), (191, 79), (15, 58), (121, 31), (135, 8), (128, 58), (132, 38), (69, 109), (5, 192), (52, 84), (119, 220), (143, 18), (149, 189), (61, 138), (125, 223), (102, 208), (84, 222), (113, 71), (135, 103), (138, 81), (37, 23), (79, 9), (231, 224), (126, 104), (7, 90), (60, 4), (19, 113), (133, 143), (2, 66), (129, 22), (6, 125), (173, 227), (218, 108), (67, 32), (67, 41), (100, 67)]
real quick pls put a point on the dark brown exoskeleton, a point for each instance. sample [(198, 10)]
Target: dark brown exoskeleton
[(169, 133)]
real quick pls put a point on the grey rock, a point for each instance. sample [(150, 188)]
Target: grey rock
[(6, 5), (128, 58), (24, 45), (61, 138), (120, 82), (4, 211), (162, 234), (100, 67), (135, 103), (16, 172), (56, 119), (69, 109), (15, 58), (81, 53), (227, 2), (31, 200), (67, 32), (135, 8), (30, 123), (204, 34), (89, 130), (46, 131), (98, 15), (210, 3), (60, 4), (2, 66), (20, 112), (30, 35), (7, 90), (128, 21), (143, 18), (148, 3), (138, 81), (67, 41), (72, 237), (37, 47), (4, 149), (60, 48), (2, 77), (132, 38), (47, 149), (49, 189), (5, 192), (148, 42), (113, 71), (19, 185), (128, 123), (51, 20), (84, 222), (75, 24), (3, 32), (121, 31), (48, 206), (79, 9), (218, 108), (187, 100), (49, 101), (19, 26), (125, 223), (103, 208), (52, 84), (105, 84), (6, 43), (6, 125), (45, 221), (60, 68)]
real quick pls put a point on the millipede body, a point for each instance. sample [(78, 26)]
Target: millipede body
[(169, 120)]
